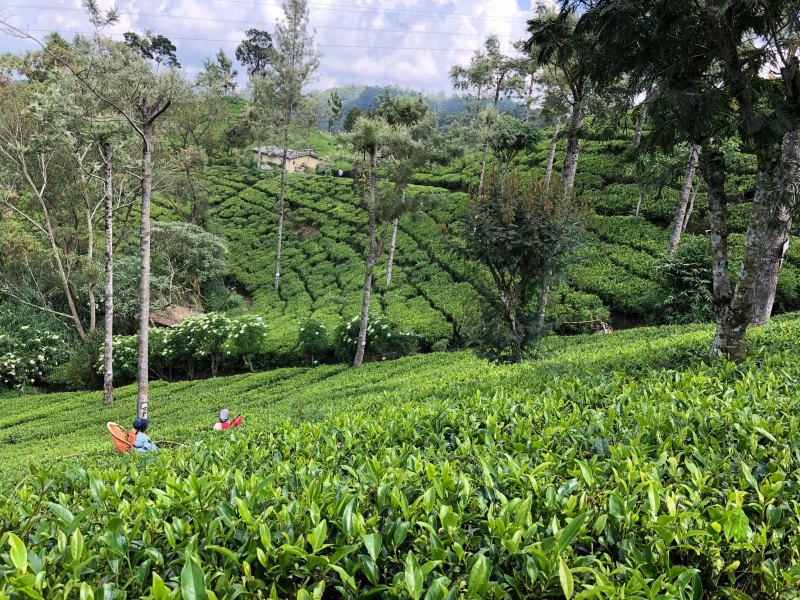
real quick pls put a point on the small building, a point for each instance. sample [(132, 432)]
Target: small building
[(295, 159)]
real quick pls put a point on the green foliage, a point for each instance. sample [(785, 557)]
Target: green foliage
[(29, 353), (523, 233), (211, 341), (314, 341), (383, 340), (435, 475), (687, 283)]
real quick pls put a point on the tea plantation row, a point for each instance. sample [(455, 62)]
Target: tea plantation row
[(589, 475)]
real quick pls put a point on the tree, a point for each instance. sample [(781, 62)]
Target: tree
[(554, 107), (350, 120), (489, 72), (780, 227), (152, 46), (683, 200), (218, 75), (708, 76), (291, 66), (522, 232), (509, 137), (334, 110), (255, 51), (567, 51), (375, 137)]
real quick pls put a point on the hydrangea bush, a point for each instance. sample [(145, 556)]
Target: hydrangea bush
[(28, 355), (383, 339)]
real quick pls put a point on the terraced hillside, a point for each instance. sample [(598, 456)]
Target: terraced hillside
[(614, 277)]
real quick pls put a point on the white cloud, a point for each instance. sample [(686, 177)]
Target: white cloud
[(411, 43)]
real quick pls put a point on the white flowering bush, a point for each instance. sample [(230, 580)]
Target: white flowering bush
[(314, 341), (28, 355), (210, 342), (246, 337), (384, 341)]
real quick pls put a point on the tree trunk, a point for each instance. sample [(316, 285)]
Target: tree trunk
[(281, 213), (144, 283), (780, 226), (573, 148), (552, 156), (483, 165), (541, 305), (108, 335), (639, 202), (683, 201), (371, 259), (391, 253), (691, 207), (637, 136), (734, 317)]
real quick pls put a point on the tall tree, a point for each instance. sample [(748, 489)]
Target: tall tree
[(255, 51), (490, 73), (374, 137), (290, 67), (683, 200), (333, 111), (780, 227), (557, 44), (708, 75)]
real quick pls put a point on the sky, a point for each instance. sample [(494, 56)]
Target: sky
[(409, 43)]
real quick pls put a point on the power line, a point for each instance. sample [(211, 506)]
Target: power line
[(252, 22), (331, 7), (192, 39)]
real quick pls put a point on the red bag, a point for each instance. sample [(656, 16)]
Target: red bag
[(237, 420)]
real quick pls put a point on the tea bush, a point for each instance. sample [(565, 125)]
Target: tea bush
[(588, 475)]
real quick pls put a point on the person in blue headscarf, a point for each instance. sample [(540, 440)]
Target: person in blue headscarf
[(142, 443)]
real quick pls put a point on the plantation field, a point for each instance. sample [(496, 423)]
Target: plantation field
[(434, 291), (616, 466)]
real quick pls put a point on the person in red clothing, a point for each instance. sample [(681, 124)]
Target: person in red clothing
[(224, 421)]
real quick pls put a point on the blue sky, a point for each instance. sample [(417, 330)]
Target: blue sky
[(410, 43)]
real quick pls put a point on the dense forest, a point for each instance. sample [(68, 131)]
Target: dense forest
[(409, 298)]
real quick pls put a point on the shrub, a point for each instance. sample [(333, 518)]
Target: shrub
[(313, 341), (687, 283), (383, 340)]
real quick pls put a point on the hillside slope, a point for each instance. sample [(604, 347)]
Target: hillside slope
[(589, 472), (434, 291)]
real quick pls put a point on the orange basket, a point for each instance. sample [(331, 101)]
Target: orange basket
[(123, 440)]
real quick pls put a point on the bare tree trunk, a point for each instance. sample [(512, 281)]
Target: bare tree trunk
[(637, 135), (108, 345), (541, 305), (712, 167), (735, 316), (552, 156), (391, 252), (371, 259), (144, 283), (780, 226), (281, 213), (683, 201), (573, 148), (689, 210), (483, 165), (639, 202)]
